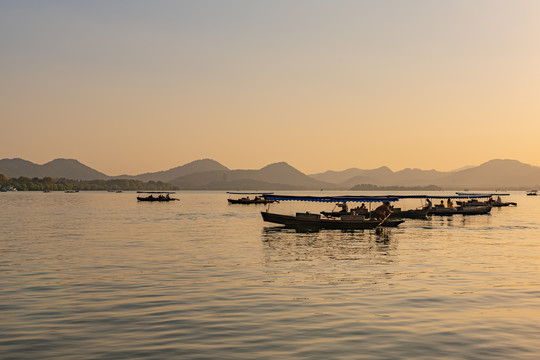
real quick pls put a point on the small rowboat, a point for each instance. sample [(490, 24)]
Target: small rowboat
[(158, 198), (246, 200)]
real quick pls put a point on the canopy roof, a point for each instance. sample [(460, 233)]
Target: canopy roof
[(330, 199), (480, 194), (468, 196), (248, 193)]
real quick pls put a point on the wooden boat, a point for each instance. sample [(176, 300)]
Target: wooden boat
[(410, 214), (258, 199), (397, 213), (460, 210), (158, 198), (532, 193), (316, 221), (471, 207), (494, 203)]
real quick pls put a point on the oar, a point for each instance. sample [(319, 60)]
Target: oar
[(383, 220)]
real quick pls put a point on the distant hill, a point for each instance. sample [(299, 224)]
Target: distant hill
[(58, 168), (382, 176), (339, 177), (12, 168), (494, 174), (274, 176), (179, 171), (490, 175)]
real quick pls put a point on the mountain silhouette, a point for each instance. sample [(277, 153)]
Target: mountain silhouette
[(179, 171), (494, 174), (274, 176), (58, 168), (209, 174)]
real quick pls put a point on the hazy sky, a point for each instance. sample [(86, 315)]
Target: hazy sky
[(137, 86)]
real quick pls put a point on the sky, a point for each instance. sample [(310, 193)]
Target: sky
[(128, 87)]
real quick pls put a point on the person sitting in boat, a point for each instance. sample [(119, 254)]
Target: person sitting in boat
[(363, 206), (499, 199), (449, 203), (429, 204), (167, 196), (343, 206), (382, 211)]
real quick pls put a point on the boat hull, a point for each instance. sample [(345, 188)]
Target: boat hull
[(467, 210), (139, 198), (501, 204), (248, 202), (318, 223)]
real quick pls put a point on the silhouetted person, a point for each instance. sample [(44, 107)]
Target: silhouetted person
[(382, 211)]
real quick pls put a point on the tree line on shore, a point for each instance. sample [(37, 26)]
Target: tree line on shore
[(23, 183)]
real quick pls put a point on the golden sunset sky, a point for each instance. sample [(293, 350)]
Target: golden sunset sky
[(138, 86)]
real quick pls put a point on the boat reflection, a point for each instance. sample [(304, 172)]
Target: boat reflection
[(362, 258), (295, 245)]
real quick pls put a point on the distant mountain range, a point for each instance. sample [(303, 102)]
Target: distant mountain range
[(208, 174), (58, 168)]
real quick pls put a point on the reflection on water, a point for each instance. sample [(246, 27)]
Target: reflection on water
[(328, 256), (327, 244)]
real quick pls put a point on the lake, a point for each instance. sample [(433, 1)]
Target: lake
[(97, 275)]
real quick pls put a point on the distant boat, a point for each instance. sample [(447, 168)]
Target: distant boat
[(246, 200), (495, 203), (532, 193), (460, 210), (71, 191), (8, 188), (159, 198)]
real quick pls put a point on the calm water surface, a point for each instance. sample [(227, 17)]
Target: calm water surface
[(99, 276)]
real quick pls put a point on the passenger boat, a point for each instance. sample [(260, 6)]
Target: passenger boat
[(532, 193), (246, 200), (460, 210), (311, 221), (159, 198), (492, 202), (471, 207), (397, 213)]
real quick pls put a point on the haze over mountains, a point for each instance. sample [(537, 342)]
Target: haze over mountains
[(208, 174)]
